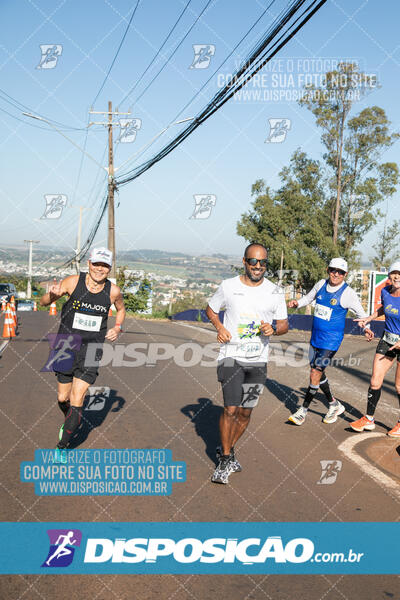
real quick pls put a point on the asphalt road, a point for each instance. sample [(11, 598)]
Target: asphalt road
[(163, 404)]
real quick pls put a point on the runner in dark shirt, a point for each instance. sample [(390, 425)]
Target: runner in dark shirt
[(83, 329)]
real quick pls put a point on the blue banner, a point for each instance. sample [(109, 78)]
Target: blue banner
[(212, 548)]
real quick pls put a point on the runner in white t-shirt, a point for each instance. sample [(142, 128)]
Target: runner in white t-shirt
[(251, 305)]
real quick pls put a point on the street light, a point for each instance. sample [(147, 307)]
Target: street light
[(66, 137), (29, 286), (90, 156), (143, 148)]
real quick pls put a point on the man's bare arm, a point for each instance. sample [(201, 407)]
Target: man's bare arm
[(223, 335), (118, 301), (59, 289)]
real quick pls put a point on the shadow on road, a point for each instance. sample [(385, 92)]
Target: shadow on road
[(94, 413), (365, 377), (205, 417), (319, 406)]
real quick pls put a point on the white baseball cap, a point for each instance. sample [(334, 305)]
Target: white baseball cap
[(394, 266), (338, 263), (101, 255)]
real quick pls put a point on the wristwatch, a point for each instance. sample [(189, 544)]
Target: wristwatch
[(274, 328)]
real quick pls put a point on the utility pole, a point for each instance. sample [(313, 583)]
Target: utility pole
[(111, 181), (171, 297), (111, 187), (281, 269), (29, 287), (110, 170)]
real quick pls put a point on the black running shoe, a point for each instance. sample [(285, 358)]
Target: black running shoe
[(235, 464), (223, 470)]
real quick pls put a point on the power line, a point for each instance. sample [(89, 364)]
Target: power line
[(173, 53), (156, 54), (262, 54), (20, 106), (258, 59), (22, 121), (81, 161), (117, 52), (218, 69), (86, 246)]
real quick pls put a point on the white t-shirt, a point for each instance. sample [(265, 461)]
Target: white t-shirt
[(246, 306)]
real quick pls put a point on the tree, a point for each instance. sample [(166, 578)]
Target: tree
[(19, 281), (187, 301), (137, 301), (294, 220), (387, 240), (357, 181)]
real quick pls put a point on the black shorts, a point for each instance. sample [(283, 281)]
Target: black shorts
[(79, 369), (320, 358), (383, 348), (242, 382)]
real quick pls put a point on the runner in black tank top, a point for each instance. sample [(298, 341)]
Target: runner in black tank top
[(82, 330), (85, 316), (85, 313)]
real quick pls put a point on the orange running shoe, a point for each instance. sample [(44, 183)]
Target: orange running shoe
[(395, 432), (363, 423)]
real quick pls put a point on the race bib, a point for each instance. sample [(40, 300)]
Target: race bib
[(86, 322), (391, 338), (250, 349), (323, 312)]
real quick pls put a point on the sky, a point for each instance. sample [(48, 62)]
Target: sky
[(221, 159)]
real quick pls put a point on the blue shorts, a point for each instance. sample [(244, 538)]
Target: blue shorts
[(320, 358)]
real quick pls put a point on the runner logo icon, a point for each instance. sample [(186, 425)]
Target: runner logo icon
[(55, 204), (63, 347), (62, 547), (50, 55), (330, 470), (202, 56), (278, 130), (204, 204)]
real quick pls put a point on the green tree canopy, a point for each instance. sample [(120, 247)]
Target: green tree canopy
[(358, 181), (292, 219), (138, 301), (325, 208)]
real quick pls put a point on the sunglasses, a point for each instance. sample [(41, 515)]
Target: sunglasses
[(253, 261), (339, 271)]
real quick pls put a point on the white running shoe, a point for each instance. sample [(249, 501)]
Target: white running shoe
[(299, 416), (334, 411)]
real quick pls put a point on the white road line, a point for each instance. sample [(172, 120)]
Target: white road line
[(196, 328), (347, 447), (3, 346)]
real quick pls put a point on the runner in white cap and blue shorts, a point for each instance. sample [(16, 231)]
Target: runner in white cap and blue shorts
[(333, 299), (387, 350)]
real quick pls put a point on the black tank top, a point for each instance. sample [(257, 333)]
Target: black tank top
[(86, 313)]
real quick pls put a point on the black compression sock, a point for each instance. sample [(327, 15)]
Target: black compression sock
[(64, 407), (324, 385), (72, 421), (310, 393), (373, 398)]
